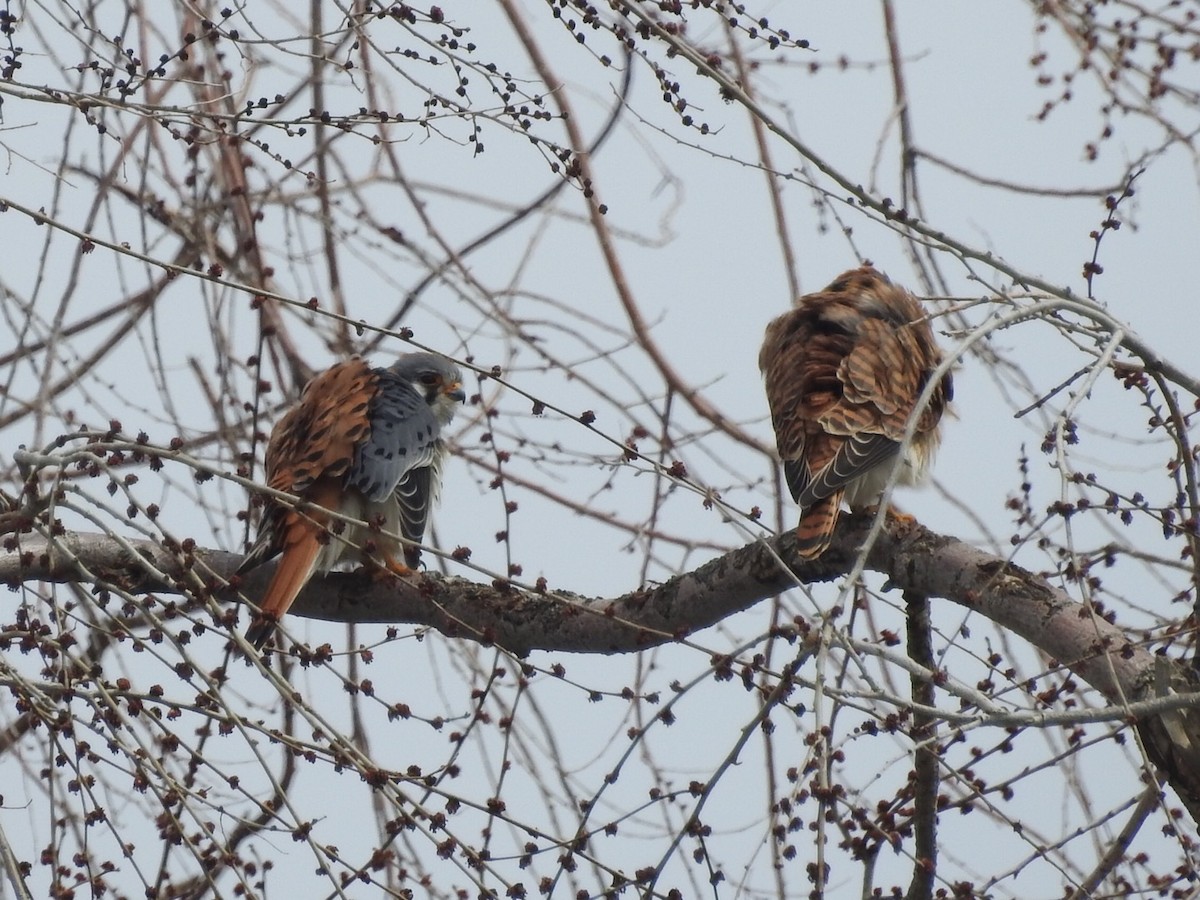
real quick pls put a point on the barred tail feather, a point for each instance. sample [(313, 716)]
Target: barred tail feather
[(815, 530)]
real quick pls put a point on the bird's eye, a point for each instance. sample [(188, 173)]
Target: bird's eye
[(429, 379)]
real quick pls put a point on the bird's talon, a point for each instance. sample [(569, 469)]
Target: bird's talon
[(383, 570), (893, 516)]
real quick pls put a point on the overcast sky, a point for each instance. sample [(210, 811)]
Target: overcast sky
[(702, 258)]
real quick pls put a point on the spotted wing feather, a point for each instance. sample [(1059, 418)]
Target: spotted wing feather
[(403, 437), (402, 456)]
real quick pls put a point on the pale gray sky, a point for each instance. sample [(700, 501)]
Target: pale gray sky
[(702, 258)]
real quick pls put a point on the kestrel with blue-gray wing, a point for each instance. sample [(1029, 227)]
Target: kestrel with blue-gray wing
[(844, 371), (364, 443)]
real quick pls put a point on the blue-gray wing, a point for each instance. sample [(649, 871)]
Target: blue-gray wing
[(403, 440)]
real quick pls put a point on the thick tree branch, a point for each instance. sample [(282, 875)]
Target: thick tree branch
[(912, 558)]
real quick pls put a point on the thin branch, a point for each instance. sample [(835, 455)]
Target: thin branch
[(926, 762)]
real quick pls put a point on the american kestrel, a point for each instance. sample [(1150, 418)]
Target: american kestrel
[(844, 370), (364, 443)]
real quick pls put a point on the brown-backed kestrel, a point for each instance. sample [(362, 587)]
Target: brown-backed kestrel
[(364, 443), (844, 370)]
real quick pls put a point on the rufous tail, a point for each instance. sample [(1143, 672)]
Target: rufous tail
[(815, 530), (301, 544)]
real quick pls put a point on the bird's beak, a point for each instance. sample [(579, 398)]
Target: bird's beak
[(455, 391)]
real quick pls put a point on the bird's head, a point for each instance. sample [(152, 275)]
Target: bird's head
[(436, 379)]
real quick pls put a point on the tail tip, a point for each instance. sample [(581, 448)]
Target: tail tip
[(810, 546), (262, 627), (814, 533)]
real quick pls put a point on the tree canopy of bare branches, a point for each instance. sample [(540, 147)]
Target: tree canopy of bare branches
[(616, 676)]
